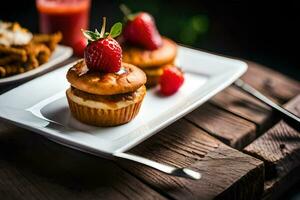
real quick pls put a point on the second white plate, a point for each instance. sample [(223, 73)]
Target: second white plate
[(60, 54)]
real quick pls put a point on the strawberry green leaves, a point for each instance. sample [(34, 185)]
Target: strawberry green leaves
[(115, 31), (128, 15), (90, 35)]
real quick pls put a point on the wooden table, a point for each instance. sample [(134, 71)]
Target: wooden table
[(239, 145)]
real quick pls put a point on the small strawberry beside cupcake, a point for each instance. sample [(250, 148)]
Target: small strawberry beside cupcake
[(104, 90), (171, 80), (155, 55)]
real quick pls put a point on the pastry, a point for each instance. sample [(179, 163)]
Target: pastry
[(105, 99), (145, 48), (21, 51), (104, 90), (145, 58)]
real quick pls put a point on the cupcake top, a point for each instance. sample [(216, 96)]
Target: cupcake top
[(143, 58), (128, 79)]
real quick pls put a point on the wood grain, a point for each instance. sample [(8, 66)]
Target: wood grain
[(32, 167), (270, 83), (241, 104), (230, 129), (279, 148), (273, 84), (236, 118), (227, 173)]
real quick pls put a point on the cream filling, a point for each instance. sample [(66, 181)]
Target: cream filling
[(13, 34), (139, 95)]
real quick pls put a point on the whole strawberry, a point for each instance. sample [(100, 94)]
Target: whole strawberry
[(171, 80), (103, 53), (140, 30)]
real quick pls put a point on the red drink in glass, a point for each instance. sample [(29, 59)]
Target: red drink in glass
[(66, 16)]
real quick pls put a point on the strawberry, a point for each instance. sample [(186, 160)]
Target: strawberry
[(140, 29), (79, 47), (171, 80), (103, 53)]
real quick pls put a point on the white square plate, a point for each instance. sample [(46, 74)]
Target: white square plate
[(41, 106), (60, 54)]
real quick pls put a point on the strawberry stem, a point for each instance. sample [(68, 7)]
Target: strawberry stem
[(115, 31), (125, 10), (102, 32)]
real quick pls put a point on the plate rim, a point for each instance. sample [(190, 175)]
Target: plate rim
[(66, 53)]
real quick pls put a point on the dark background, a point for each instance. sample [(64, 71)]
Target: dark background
[(263, 31)]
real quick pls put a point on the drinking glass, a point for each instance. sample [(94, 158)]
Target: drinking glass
[(66, 16)]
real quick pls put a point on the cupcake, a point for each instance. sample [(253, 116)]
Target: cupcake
[(152, 62), (104, 90), (144, 47)]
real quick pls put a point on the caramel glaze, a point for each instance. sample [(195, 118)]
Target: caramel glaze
[(129, 79)]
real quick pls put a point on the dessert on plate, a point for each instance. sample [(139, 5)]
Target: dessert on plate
[(104, 90), (21, 51), (145, 47)]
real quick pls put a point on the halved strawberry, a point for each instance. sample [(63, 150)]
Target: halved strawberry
[(140, 29), (171, 80), (103, 53)]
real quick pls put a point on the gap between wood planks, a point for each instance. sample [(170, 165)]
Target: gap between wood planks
[(32, 167), (227, 173), (242, 108), (224, 125), (279, 148), (249, 118)]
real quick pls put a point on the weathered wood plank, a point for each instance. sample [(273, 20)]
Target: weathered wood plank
[(244, 106), (279, 148), (227, 173), (273, 84), (31, 167), (230, 129)]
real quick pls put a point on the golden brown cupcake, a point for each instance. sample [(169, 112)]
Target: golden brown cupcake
[(147, 49), (153, 74), (105, 91), (144, 58), (151, 62), (105, 99)]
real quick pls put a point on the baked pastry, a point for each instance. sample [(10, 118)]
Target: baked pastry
[(145, 58), (145, 48), (21, 51), (154, 73), (104, 90), (105, 99), (152, 62)]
